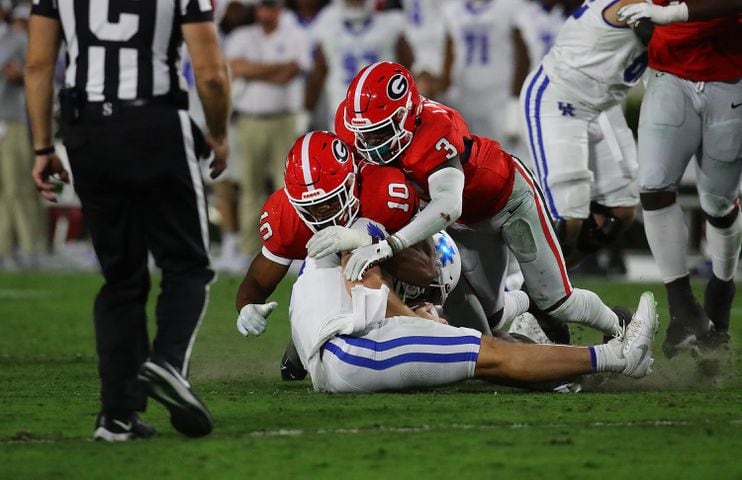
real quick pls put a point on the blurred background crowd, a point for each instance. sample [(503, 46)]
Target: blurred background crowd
[(291, 62)]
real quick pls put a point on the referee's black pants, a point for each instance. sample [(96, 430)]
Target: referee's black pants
[(139, 183)]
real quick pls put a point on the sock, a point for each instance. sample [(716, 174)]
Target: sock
[(607, 357), (229, 244), (586, 308), (516, 303), (667, 235), (723, 246)]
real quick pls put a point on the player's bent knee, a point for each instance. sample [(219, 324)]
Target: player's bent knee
[(657, 200), (720, 211), (572, 197), (627, 215)]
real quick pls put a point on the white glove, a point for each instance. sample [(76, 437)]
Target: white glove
[(252, 318), (631, 14), (331, 240), (366, 257)]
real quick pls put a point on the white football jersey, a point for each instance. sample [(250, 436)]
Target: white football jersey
[(595, 61), (539, 28), (347, 50), (482, 42), (426, 34), (321, 307)]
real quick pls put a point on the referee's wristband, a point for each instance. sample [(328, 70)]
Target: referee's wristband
[(44, 151)]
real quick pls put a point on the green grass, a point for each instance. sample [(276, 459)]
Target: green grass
[(677, 423)]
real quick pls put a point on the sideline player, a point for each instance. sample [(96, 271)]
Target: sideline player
[(583, 151), (693, 106), (466, 179), (358, 337)]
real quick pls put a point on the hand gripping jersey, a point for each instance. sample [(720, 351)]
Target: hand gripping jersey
[(593, 60), (705, 51), (385, 198), (441, 134)]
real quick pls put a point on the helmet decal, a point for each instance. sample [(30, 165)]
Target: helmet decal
[(397, 87), (445, 250), (340, 150)]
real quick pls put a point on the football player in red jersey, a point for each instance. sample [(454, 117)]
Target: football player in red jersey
[(693, 106), (324, 187), (466, 179)]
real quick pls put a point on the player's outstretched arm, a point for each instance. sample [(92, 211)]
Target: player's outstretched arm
[(446, 187), (688, 11), (261, 279)]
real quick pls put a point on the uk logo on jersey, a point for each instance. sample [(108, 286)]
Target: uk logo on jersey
[(445, 250), (568, 110), (397, 87), (375, 232)]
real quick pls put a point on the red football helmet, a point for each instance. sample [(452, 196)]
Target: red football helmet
[(381, 109), (320, 180)]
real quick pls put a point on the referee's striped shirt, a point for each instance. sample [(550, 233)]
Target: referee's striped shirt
[(124, 49)]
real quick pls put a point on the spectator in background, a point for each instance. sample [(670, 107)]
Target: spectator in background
[(20, 210), (267, 61), (485, 65), (427, 36), (349, 35)]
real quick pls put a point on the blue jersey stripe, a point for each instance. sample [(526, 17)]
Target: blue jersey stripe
[(534, 153), (399, 359), (412, 340)]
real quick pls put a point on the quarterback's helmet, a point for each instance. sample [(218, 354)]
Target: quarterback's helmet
[(320, 181), (448, 272), (381, 107)]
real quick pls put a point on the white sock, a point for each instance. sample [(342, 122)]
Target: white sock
[(723, 246), (667, 235), (229, 244), (515, 303), (607, 357), (586, 308)]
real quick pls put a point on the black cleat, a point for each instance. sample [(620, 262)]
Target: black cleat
[(717, 302), (291, 366), (556, 330), (624, 318), (111, 429), (188, 414), (688, 321)]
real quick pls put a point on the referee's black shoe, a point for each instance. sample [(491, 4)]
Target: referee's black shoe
[(121, 429), (188, 414)]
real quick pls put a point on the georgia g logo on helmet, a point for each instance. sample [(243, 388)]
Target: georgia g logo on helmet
[(397, 87), (340, 150)]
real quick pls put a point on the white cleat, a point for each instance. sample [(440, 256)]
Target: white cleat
[(527, 326), (637, 341)]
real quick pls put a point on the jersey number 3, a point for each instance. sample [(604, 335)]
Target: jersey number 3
[(444, 144)]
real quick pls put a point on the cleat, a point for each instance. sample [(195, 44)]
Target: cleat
[(688, 321), (188, 414), (526, 326), (637, 340), (717, 303), (111, 429), (291, 366)]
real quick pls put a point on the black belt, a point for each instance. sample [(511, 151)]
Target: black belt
[(108, 108)]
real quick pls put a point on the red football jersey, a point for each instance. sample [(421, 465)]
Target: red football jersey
[(440, 136), (385, 198), (704, 51)]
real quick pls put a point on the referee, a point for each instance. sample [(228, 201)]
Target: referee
[(134, 155)]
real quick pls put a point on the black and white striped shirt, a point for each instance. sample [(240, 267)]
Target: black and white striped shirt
[(124, 49)]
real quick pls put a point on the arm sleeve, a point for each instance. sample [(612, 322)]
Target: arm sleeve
[(45, 8), (194, 11), (446, 188)]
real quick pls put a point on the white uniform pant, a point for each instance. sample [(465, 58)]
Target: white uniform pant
[(397, 354), (580, 153), (679, 119)]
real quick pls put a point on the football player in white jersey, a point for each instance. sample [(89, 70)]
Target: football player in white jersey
[(359, 337), (350, 34), (426, 33), (540, 22), (582, 150), (485, 64)]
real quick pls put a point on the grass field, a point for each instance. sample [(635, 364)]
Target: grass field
[(678, 423)]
